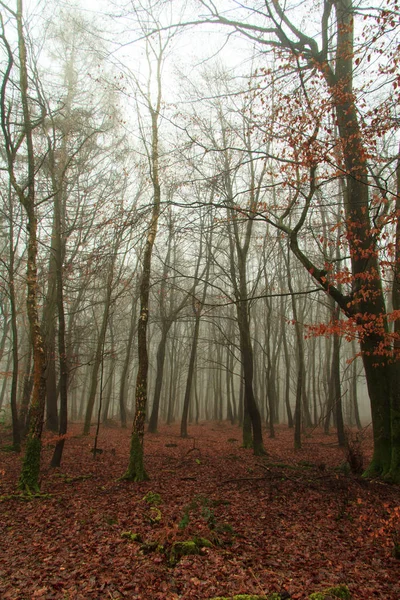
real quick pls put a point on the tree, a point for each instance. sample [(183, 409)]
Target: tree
[(330, 66), (168, 314), (155, 50), (227, 169), (22, 145), (12, 268), (197, 306)]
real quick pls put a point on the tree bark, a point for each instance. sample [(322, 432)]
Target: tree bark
[(136, 470), (125, 368), (98, 358), (153, 421), (29, 477)]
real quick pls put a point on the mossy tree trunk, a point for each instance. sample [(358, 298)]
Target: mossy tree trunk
[(29, 477), (136, 470), (366, 302)]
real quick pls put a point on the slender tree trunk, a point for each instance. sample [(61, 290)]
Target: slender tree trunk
[(49, 333), (247, 361), (287, 381), (4, 385), (271, 398), (354, 398), (100, 344), (29, 477), (241, 397), (196, 397), (62, 347), (173, 379), (26, 392), (189, 380), (300, 364), (14, 327), (228, 376), (136, 470), (335, 384), (125, 368), (153, 422)]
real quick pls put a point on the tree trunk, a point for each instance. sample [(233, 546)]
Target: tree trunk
[(247, 361), (59, 253), (173, 369), (153, 422), (394, 471), (287, 380), (98, 358), (189, 379), (49, 330), (125, 368), (335, 384), (136, 470), (29, 477), (14, 327)]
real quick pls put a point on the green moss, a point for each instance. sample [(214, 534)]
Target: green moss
[(339, 591), (25, 497), (224, 528), (373, 470), (179, 549), (132, 537), (155, 515), (184, 522), (247, 432), (10, 448), (29, 477), (135, 470), (148, 547), (152, 498), (73, 478)]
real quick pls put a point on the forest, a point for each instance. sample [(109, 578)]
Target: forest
[(200, 299)]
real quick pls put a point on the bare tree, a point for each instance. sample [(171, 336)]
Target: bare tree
[(21, 145), (331, 65)]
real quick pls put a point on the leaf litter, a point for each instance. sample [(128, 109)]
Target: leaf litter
[(292, 521)]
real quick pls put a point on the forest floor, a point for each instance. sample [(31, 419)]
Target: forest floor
[(291, 521)]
